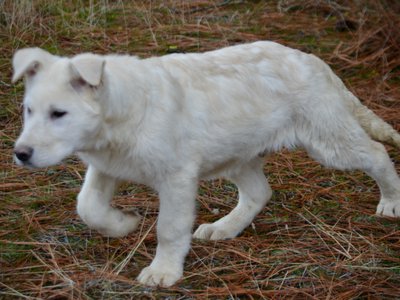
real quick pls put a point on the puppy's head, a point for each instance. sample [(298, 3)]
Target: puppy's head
[(61, 111)]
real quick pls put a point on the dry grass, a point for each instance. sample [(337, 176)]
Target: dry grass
[(317, 239)]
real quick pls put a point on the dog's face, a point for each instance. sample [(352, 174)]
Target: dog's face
[(61, 114)]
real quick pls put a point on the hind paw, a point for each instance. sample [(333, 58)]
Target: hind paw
[(215, 232), (389, 209)]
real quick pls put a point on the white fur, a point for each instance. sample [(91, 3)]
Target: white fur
[(169, 121)]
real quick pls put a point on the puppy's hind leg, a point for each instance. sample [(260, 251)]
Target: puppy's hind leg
[(349, 147), (384, 173), (95, 210), (254, 193)]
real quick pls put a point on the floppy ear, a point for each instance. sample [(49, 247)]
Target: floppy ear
[(88, 67), (28, 61)]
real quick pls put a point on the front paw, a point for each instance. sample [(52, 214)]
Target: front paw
[(159, 276), (120, 224), (109, 221)]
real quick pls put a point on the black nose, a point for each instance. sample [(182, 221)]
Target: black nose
[(23, 153)]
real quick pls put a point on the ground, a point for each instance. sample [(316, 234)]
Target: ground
[(318, 238)]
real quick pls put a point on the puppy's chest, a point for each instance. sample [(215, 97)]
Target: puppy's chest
[(121, 166)]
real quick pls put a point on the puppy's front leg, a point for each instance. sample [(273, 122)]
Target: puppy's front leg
[(175, 221), (94, 206)]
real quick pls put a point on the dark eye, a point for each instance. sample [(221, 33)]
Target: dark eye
[(29, 111), (56, 114)]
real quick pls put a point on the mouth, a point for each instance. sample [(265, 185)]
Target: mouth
[(25, 164)]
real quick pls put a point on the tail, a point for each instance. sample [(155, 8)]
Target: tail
[(377, 128)]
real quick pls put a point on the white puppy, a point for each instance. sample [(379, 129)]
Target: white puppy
[(169, 121)]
